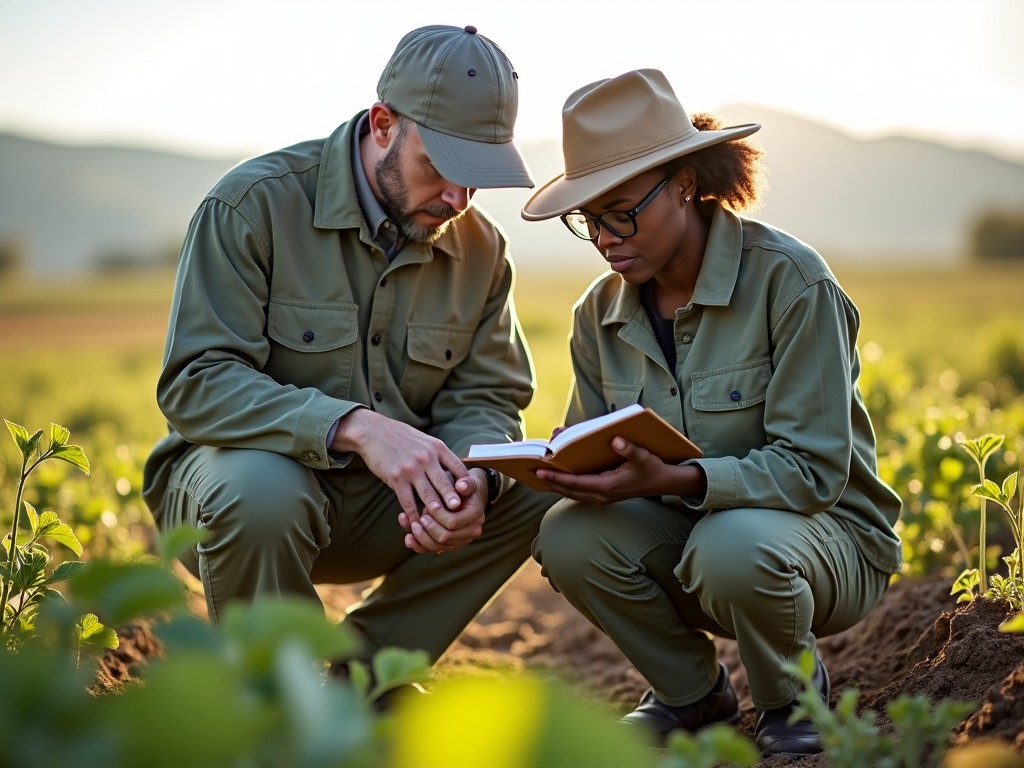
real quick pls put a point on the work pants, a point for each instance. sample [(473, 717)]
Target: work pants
[(277, 527), (660, 579)]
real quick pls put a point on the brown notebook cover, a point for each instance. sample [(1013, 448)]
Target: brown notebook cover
[(586, 448)]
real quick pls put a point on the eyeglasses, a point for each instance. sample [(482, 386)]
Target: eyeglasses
[(619, 223)]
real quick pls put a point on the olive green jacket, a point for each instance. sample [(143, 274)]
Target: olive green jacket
[(286, 316), (765, 380)]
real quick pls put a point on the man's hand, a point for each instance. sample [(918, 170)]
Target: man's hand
[(447, 530), (417, 467), (442, 503)]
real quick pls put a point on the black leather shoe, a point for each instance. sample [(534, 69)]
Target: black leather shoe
[(720, 706), (386, 701), (774, 735)]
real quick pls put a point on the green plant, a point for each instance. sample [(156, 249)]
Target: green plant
[(26, 579), (972, 582), (853, 741), (980, 449)]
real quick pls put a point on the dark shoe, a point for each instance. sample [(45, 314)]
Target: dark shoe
[(386, 701), (774, 735), (719, 706)]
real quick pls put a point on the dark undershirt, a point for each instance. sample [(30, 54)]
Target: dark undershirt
[(664, 330)]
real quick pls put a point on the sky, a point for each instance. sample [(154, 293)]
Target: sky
[(238, 77)]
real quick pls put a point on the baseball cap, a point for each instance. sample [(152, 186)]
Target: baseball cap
[(462, 92)]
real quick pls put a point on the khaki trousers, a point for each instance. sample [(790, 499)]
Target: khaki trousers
[(659, 579), (276, 527)]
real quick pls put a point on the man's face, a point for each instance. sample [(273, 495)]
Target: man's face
[(413, 194)]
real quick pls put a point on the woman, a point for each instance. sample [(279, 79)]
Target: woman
[(739, 335)]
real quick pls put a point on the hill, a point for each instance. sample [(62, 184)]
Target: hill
[(72, 208)]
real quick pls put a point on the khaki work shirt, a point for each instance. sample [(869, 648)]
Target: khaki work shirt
[(765, 380), (286, 316)]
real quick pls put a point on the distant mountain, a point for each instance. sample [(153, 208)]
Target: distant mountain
[(70, 208)]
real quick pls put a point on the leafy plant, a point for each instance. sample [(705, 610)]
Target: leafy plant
[(980, 449), (24, 578), (972, 581), (853, 741)]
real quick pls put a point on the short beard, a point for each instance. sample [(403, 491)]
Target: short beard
[(395, 196)]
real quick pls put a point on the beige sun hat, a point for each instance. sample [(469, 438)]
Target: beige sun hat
[(614, 129)]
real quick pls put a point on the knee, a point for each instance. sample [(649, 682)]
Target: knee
[(566, 543), (729, 560), (257, 496)]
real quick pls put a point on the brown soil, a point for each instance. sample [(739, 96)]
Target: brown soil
[(916, 642)]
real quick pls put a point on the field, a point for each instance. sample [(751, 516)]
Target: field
[(944, 361)]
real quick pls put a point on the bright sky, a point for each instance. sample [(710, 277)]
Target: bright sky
[(229, 77)]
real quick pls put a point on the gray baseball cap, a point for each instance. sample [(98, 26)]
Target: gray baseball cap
[(462, 92)]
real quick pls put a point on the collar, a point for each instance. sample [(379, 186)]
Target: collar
[(718, 273), (338, 201)]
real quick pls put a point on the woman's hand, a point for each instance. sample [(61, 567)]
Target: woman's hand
[(641, 474)]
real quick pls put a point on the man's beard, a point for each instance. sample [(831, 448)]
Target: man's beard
[(395, 202)]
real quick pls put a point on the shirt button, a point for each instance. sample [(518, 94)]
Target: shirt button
[(377, 397), (735, 395), (308, 336), (376, 339), (383, 282), (447, 354), (687, 338), (673, 391)]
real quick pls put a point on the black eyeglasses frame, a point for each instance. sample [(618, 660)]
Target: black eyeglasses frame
[(594, 223)]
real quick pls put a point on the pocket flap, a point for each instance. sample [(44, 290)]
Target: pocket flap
[(310, 326), (731, 387), (438, 345)]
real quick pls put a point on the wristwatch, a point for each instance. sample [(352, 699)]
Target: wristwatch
[(493, 485)]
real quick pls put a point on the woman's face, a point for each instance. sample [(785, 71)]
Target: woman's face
[(659, 225)]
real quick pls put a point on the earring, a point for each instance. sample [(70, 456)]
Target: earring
[(686, 199)]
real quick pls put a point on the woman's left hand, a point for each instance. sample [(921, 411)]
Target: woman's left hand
[(640, 474)]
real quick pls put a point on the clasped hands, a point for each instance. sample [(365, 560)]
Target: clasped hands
[(443, 502)]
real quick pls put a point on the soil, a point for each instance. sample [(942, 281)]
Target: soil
[(917, 641)]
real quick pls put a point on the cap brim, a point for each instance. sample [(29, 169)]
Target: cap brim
[(561, 194), (476, 164)]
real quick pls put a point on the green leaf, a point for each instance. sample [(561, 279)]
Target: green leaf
[(58, 435), (397, 666), (121, 592), (67, 570), (1010, 486), (988, 490), (174, 541), (63, 534), (31, 514), (983, 447), (91, 632), (18, 432), (261, 627), (1013, 624), (73, 455)]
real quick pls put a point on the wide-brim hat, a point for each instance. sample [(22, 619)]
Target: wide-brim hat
[(463, 93), (615, 129)]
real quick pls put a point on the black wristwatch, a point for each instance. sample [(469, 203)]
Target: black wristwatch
[(493, 485)]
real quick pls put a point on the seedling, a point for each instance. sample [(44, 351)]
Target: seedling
[(25, 577)]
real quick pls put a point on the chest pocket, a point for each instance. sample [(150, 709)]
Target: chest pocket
[(728, 407), (434, 349), (311, 327), (312, 344), (618, 396)]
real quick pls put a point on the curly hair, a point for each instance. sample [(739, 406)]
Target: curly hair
[(730, 172)]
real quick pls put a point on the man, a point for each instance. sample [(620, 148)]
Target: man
[(342, 329)]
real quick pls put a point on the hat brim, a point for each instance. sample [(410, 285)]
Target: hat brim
[(476, 164), (561, 194)]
